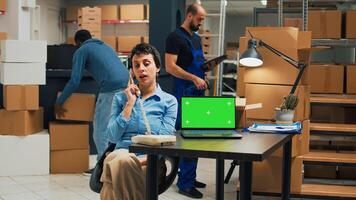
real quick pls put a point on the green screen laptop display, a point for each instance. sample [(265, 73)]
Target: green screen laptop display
[(208, 113)]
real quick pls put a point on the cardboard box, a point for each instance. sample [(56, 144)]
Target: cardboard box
[(3, 35), (21, 123), (94, 27), (66, 136), (132, 12), (147, 11), (85, 12), (109, 12), (96, 34), (126, 43), (293, 22), (328, 114), (111, 41), (24, 156), (23, 73), (69, 161), (325, 23), (21, 97), (350, 19), (70, 40), (206, 49), (267, 175), (347, 172), (23, 51), (275, 70), (327, 78), (80, 107), (319, 171), (72, 13), (240, 84), (90, 20), (146, 39), (351, 79), (271, 96), (2, 5)]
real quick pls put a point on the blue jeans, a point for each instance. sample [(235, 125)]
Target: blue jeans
[(101, 119)]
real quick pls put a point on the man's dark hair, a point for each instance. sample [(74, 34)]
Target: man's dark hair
[(146, 49), (82, 36), (192, 8)]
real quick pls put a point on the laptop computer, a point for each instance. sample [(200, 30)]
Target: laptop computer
[(208, 117)]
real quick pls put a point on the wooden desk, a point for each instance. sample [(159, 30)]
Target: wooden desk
[(252, 147)]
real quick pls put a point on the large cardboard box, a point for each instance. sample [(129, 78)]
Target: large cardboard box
[(2, 5), (350, 20), (126, 43), (351, 79), (320, 171), (21, 97), (111, 41), (109, 12), (293, 22), (24, 156), (66, 136), (132, 12), (271, 96), (326, 78), (69, 161), (23, 51), (267, 175), (80, 107), (91, 27), (275, 70), (3, 35), (23, 73), (72, 13), (325, 23), (21, 122)]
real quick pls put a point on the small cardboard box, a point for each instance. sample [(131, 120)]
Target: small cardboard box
[(2, 5), (241, 108), (91, 27), (319, 171), (23, 51), (85, 12), (327, 78), (350, 28), (21, 97), (293, 22), (24, 156), (111, 41), (267, 175), (21, 122), (109, 12), (90, 20), (132, 12), (23, 73), (65, 136), (72, 13), (126, 43), (325, 23), (80, 107), (351, 79), (69, 161), (271, 97), (3, 35)]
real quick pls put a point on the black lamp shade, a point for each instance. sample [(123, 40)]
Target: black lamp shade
[(251, 57)]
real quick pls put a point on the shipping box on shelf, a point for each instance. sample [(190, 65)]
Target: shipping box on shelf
[(3, 35), (271, 97), (109, 12), (132, 12), (3, 5), (66, 136), (350, 27), (89, 20), (327, 78), (70, 40), (80, 107), (92, 27), (85, 12), (351, 79), (72, 13), (293, 22), (146, 39), (21, 97), (111, 41), (126, 43), (21, 123), (325, 23), (24, 156), (320, 171), (23, 51), (69, 161), (23, 73)]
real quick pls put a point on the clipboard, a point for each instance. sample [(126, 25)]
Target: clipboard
[(210, 64)]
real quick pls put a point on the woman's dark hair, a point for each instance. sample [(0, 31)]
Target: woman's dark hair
[(145, 48), (82, 36)]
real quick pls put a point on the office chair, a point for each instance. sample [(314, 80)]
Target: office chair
[(234, 163)]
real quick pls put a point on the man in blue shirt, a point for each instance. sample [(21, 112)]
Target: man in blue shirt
[(102, 62), (184, 57)]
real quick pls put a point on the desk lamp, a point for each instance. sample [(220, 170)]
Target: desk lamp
[(251, 58)]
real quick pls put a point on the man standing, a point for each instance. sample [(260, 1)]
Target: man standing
[(184, 56), (102, 62)]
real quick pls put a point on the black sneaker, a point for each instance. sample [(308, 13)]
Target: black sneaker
[(198, 184), (192, 193), (88, 172)]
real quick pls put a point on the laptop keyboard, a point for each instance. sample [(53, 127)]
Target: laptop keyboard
[(209, 132)]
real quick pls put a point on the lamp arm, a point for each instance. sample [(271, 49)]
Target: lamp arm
[(280, 54), (302, 66)]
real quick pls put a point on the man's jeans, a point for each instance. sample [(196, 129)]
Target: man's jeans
[(101, 120)]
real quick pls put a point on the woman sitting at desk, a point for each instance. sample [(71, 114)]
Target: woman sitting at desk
[(123, 172)]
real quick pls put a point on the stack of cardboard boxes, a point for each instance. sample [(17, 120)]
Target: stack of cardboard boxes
[(69, 137), (268, 85), (22, 69), (89, 18)]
